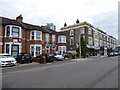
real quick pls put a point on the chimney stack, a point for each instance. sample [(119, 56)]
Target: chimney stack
[(77, 21), (19, 18)]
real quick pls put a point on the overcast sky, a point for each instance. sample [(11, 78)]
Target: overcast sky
[(100, 13)]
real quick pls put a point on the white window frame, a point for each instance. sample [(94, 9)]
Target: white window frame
[(35, 45), (71, 38), (82, 30), (62, 49), (11, 29), (35, 35), (47, 37), (90, 41), (89, 31), (61, 39), (10, 47), (53, 38), (39, 35), (71, 32)]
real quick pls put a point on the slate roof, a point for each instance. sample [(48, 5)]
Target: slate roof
[(7, 21), (44, 29)]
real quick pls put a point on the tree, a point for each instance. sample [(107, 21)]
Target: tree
[(84, 48)]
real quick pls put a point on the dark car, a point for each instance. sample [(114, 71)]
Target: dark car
[(49, 57), (24, 58)]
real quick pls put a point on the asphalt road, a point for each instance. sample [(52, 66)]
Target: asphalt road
[(89, 73)]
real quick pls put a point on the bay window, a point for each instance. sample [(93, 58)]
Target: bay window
[(61, 39), (12, 48), (35, 35), (13, 31), (62, 49), (35, 49)]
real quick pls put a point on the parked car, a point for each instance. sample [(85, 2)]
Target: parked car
[(24, 58), (7, 60), (113, 54), (49, 57), (59, 57)]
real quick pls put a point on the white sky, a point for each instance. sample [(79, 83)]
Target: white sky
[(101, 13)]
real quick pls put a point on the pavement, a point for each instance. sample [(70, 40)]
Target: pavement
[(82, 59)]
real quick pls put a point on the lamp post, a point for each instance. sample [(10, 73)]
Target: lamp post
[(80, 44)]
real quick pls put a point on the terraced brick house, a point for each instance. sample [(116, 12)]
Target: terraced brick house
[(17, 37)]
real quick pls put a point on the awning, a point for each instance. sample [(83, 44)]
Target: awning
[(90, 46)]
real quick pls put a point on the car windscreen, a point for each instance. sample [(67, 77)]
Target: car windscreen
[(5, 56)]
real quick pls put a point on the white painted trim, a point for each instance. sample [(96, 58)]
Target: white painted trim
[(62, 49), (10, 43), (62, 39), (11, 26), (35, 45), (35, 32)]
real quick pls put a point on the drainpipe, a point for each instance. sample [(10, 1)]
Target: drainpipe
[(25, 40)]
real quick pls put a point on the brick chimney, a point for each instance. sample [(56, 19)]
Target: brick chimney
[(19, 18)]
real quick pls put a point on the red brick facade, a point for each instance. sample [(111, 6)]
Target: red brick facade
[(17, 37)]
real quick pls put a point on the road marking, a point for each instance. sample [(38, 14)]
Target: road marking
[(49, 63)]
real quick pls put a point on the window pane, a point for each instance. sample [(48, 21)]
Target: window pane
[(15, 32), (8, 31), (15, 29), (71, 32), (37, 48), (71, 41), (47, 37), (38, 35), (32, 35), (15, 50), (32, 50), (7, 48), (32, 38), (60, 39), (53, 38)]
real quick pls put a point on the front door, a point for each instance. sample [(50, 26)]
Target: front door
[(14, 50)]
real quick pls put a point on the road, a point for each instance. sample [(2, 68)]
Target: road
[(91, 73)]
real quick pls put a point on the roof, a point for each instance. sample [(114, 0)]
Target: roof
[(7, 21), (48, 30), (62, 33), (78, 24)]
